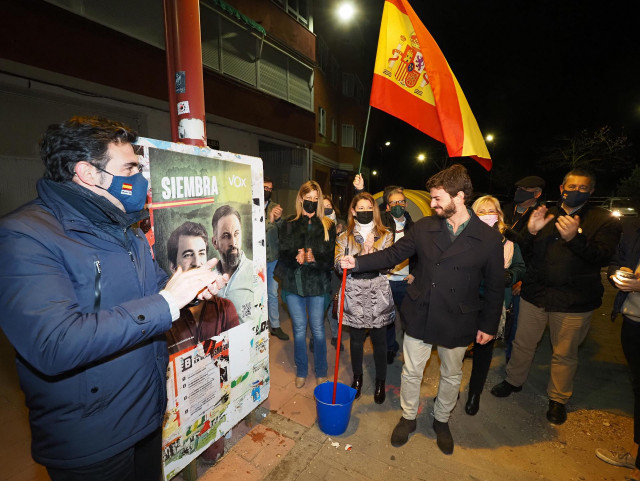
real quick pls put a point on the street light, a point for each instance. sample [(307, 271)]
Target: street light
[(387, 143), (346, 11), (489, 138), (375, 172), (421, 157)]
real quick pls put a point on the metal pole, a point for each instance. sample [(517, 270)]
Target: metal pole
[(364, 140), (184, 59)]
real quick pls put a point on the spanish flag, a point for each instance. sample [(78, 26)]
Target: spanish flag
[(413, 81)]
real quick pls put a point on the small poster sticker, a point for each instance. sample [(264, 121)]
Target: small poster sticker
[(183, 107), (181, 83)]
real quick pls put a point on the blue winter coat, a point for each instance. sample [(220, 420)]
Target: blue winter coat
[(79, 302)]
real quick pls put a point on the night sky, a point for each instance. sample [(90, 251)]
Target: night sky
[(532, 72)]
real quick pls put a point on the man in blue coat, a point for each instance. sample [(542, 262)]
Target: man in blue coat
[(456, 253), (82, 301)]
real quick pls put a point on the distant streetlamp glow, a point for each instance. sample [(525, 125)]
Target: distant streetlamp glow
[(421, 157), (346, 11), (489, 138), (387, 143), (375, 172)]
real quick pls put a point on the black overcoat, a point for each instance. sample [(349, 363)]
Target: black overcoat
[(445, 305)]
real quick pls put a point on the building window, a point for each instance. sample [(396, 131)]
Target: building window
[(347, 135), (348, 85), (322, 121), (357, 140), (298, 9), (334, 131)]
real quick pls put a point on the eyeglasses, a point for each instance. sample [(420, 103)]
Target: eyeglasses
[(268, 189), (397, 202)]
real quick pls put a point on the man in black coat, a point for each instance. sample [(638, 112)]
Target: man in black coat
[(456, 254), (525, 200), (562, 286)]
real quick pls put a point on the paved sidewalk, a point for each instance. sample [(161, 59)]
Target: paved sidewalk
[(509, 439)]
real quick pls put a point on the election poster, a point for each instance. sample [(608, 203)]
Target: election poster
[(205, 205)]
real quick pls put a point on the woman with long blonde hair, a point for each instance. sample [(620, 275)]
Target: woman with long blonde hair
[(368, 301), (487, 208), (306, 256)]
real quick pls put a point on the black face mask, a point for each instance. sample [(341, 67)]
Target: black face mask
[(574, 198), (364, 216), (267, 196), (328, 211), (310, 207), (522, 195)]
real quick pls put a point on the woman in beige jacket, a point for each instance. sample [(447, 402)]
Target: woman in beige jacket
[(368, 301)]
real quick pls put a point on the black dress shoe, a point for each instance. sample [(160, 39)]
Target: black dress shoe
[(391, 355), (444, 440), (400, 434), (504, 389), (379, 395), (473, 403), (357, 385), (557, 413)]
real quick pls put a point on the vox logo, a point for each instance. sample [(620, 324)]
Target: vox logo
[(236, 181)]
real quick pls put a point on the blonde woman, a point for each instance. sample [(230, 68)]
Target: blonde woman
[(487, 208), (306, 255), (368, 300)]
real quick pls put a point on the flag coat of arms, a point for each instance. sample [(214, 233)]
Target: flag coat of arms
[(413, 81)]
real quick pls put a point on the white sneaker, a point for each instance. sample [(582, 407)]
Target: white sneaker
[(624, 460)]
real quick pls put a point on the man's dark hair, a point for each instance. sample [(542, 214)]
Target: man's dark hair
[(581, 173), (267, 180), (452, 180), (391, 189), (223, 211), (80, 139), (188, 229)]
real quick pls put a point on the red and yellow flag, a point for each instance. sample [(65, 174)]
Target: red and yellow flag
[(413, 81)]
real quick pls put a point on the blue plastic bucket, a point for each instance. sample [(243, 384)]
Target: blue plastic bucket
[(333, 419)]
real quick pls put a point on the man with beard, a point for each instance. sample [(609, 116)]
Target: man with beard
[(456, 254), (227, 239)]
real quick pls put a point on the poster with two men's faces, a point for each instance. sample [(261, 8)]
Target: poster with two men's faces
[(207, 204)]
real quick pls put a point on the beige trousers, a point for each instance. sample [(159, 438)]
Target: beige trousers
[(416, 355), (567, 331)]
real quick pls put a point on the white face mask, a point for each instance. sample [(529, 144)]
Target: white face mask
[(489, 219)]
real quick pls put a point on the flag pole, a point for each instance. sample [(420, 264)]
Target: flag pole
[(364, 141)]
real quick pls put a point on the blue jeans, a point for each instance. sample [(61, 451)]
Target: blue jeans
[(298, 308), (398, 291), (272, 294)]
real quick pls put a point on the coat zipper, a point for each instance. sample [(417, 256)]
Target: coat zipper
[(97, 286)]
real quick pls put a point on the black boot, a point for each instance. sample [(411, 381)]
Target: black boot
[(379, 395), (357, 385), (473, 403)]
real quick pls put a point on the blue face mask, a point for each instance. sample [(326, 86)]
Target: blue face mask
[(131, 191)]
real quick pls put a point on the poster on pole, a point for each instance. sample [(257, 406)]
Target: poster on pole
[(206, 204)]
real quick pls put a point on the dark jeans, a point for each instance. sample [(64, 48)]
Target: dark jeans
[(379, 341), (398, 291), (508, 342), (630, 337), (482, 354), (141, 462)]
